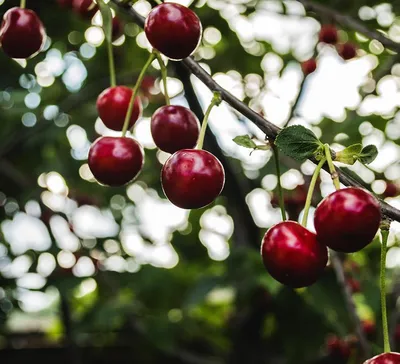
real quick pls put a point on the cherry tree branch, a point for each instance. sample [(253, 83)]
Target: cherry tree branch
[(270, 130), (351, 23)]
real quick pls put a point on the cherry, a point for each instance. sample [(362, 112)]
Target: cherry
[(354, 285), (369, 328), (115, 161), (338, 348), (293, 255), (385, 358), (117, 29), (192, 178), (22, 34), (309, 66), (328, 34), (347, 220), (112, 106), (85, 8), (347, 51), (174, 30), (174, 127), (65, 3), (391, 190)]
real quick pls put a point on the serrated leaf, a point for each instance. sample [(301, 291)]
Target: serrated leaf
[(107, 19), (368, 154), (245, 141), (298, 142), (350, 154)]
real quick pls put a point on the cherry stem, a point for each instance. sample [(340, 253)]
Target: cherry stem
[(278, 174), (134, 93), (111, 64), (311, 191), (332, 170), (164, 76), (22, 4), (159, 2), (385, 227), (216, 100)]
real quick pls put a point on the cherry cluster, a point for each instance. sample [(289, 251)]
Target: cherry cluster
[(329, 35)]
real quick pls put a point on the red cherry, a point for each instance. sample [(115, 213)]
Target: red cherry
[(115, 161), (347, 220), (391, 190), (309, 66), (65, 3), (117, 29), (174, 127), (328, 34), (293, 255), (354, 285), (85, 8), (22, 34), (112, 106), (192, 178), (338, 348), (174, 30), (385, 358), (347, 51), (369, 328)]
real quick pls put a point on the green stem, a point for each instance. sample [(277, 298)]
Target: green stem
[(164, 76), (22, 4), (134, 93), (278, 174), (386, 341), (113, 81), (216, 100), (332, 170), (159, 2), (311, 191)]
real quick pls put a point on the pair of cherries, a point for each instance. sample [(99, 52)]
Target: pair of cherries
[(191, 178), (345, 221)]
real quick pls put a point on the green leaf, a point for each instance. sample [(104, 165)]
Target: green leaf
[(350, 154), (298, 142), (368, 154), (107, 19), (245, 141)]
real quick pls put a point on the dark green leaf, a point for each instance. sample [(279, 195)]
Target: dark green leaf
[(350, 154), (298, 142), (245, 141), (368, 154), (107, 19)]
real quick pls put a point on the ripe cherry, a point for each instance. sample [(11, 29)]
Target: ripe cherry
[(338, 348), (347, 51), (22, 34), (174, 30), (354, 285), (112, 106), (369, 328), (385, 358), (347, 220), (328, 34), (174, 127), (192, 178), (309, 66), (85, 8), (117, 28), (391, 190), (293, 255), (115, 161)]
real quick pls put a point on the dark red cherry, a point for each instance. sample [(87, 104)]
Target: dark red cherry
[(338, 348), (65, 3), (391, 190), (85, 8), (309, 66), (293, 255), (174, 127), (369, 328), (328, 34), (347, 51), (192, 178), (385, 358), (115, 161), (347, 220), (117, 28), (354, 284), (174, 30), (112, 106), (22, 34)]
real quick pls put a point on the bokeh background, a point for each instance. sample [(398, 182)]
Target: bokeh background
[(90, 274)]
